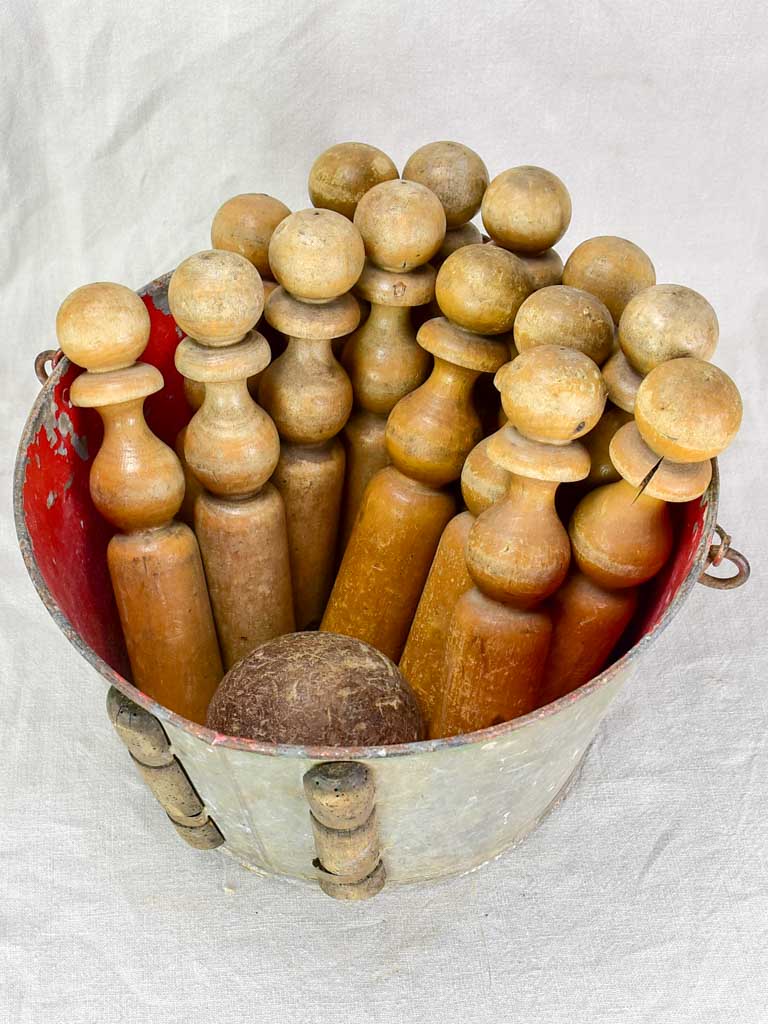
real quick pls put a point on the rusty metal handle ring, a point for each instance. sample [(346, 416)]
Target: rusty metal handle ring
[(50, 355), (723, 552)]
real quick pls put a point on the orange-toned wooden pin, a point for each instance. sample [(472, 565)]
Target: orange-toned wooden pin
[(342, 174), (138, 485), (382, 358), (483, 482), (459, 178), (232, 446), (429, 434), (621, 533), (317, 256), (518, 551)]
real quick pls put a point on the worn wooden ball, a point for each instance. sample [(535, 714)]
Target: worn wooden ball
[(526, 209), (316, 255), (552, 394), (688, 410), (614, 269), (318, 689), (455, 173), (341, 176), (103, 326), (664, 322), (481, 288), (216, 296), (402, 224), (559, 315), (244, 224)]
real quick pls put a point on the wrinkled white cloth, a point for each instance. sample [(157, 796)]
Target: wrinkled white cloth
[(644, 897)]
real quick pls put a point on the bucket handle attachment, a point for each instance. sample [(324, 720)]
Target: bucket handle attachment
[(49, 355), (722, 551), (151, 752), (341, 798)]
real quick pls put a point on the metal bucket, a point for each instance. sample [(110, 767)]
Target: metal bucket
[(442, 807)]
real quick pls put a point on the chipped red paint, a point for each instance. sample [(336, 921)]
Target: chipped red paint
[(68, 536), (64, 540)]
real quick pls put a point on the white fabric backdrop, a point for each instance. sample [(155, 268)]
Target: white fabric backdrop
[(644, 898)]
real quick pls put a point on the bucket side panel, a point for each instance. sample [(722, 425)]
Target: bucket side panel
[(440, 813)]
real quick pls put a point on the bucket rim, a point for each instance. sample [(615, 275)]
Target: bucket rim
[(154, 290)]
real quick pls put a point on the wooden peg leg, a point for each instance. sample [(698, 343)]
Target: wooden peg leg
[(341, 798), (151, 753)]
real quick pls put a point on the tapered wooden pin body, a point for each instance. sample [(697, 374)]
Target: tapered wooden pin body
[(621, 533), (429, 434), (483, 482), (518, 551), (137, 483), (317, 255), (383, 359), (232, 447)]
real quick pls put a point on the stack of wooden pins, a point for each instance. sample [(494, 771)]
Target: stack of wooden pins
[(317, 255), (483, 483), (137, 484), (518, 551), (231, 445), (429, 434), (687, 411)]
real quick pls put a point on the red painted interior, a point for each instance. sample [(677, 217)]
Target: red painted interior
[(69, 537)]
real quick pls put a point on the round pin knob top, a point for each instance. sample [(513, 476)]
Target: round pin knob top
[(664, 322), (614, 269), (244, 224), (402, 224), (481, 288), (316, 255), (552, 394), (341, 176), (216, 297), (526, 209), (455, 173), (102, 326), (688, 410), (559, 315)]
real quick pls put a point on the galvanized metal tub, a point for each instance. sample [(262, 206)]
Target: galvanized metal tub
[(443, 806)]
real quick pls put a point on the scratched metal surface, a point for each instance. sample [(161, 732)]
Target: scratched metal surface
[(441, 812)]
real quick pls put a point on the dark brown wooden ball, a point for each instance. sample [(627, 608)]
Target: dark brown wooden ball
[(317, 689)]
